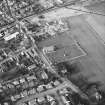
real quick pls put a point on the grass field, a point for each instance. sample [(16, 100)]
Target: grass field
[(93, 65)]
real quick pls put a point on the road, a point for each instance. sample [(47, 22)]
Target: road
[(92, 65)]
